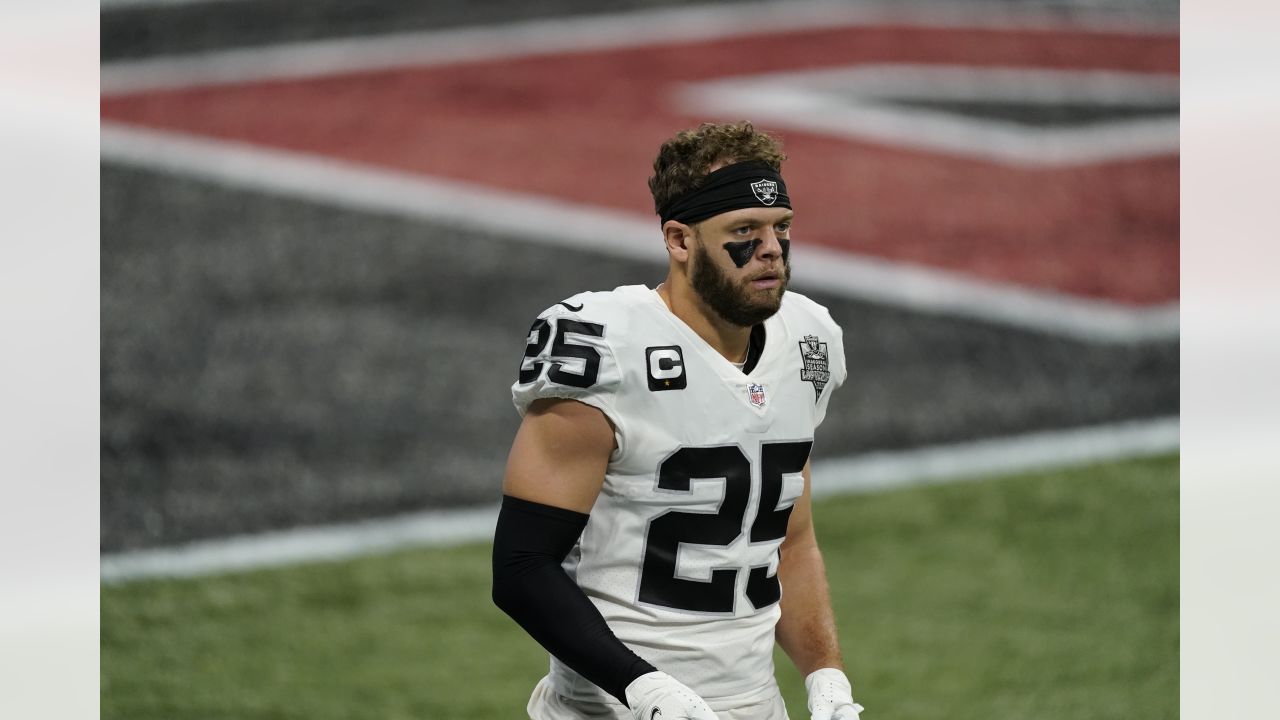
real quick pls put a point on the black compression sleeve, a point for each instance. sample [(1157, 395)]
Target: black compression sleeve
[(530, 585)]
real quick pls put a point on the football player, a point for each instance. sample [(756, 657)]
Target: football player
[(655, 534)]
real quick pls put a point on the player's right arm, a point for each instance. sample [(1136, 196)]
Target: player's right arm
[(554, 473), (559, 455)]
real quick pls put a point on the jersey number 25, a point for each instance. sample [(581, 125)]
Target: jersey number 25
[(563, 353), (659, 584)]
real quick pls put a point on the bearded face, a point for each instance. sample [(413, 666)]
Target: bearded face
[(734, 295)]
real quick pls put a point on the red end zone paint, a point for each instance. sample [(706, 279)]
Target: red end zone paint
[(584, 127)]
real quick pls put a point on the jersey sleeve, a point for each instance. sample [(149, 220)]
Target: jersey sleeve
[(568, 355), (837, 364)]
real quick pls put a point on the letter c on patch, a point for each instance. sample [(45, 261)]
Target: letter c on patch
[(666, 368)]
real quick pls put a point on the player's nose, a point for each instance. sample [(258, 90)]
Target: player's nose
[(769, 248)]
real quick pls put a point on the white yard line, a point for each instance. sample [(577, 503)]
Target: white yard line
[(312, 544), (874, 472), (109, 5), (577, 34), (851, 102), (566, 224), (879, 471)]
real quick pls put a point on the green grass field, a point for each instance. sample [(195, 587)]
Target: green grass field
[(1044, 596)]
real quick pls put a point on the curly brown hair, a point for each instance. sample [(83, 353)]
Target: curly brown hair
[(684, 161)]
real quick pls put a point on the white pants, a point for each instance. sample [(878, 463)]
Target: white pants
[(546, 704)]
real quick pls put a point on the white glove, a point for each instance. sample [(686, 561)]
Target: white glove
[(658, 696), (831, 696)]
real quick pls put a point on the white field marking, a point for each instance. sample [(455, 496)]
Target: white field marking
[(580, 34), (879, 471), (109, 5), (301, 545), (856, 102), (560, 223), (874, 472)]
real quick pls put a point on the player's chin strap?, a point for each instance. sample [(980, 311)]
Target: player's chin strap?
[(831, 696), (658, 696)]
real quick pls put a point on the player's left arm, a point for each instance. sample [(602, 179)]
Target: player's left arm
[(807, 628)]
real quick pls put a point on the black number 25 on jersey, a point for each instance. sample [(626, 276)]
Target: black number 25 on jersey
[(660, 584), (569, 363)]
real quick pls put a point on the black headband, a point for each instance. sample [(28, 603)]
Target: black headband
[(733, 187)]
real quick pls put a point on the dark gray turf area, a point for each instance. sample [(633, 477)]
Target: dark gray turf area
[(269, 362), (167, 29), (182, 28), (1058, 114)]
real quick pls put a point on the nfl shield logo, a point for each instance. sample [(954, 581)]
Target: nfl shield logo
[(766, 191), (755, 393)]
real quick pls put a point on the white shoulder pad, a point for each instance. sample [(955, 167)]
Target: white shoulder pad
[(810, 317), (568, 355)]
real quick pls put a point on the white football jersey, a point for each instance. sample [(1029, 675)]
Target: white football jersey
[(680, 553)]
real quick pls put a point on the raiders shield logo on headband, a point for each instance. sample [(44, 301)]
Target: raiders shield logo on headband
[(766, 191)]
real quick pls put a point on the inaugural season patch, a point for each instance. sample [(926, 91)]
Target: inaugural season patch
[(814, 368)]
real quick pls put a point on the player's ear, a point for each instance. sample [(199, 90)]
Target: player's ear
[(677, 236)]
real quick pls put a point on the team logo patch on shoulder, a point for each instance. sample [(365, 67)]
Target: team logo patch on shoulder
[(755, 393), (814, 366), (766, 191), (665, 365)]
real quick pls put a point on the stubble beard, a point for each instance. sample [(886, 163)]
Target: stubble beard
[(734, 302)]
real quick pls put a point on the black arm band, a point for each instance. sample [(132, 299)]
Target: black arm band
[(530, 585)]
